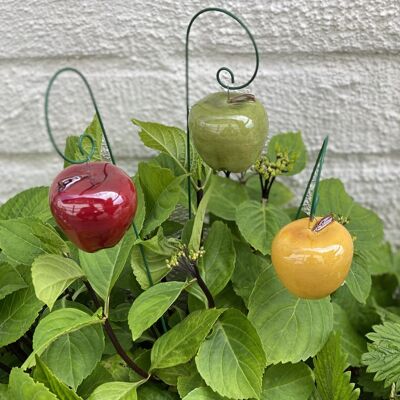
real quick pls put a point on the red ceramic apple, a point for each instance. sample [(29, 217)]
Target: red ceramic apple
[(93, 203)]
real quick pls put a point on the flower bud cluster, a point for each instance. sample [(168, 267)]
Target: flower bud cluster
[(341, 219), (185, 257), (270, 169)]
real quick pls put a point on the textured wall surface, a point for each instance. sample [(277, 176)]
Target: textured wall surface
[(327, 67)]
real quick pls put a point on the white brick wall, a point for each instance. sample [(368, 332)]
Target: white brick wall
[(327, 67)]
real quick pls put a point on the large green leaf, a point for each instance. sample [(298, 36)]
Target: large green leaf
[(18, 312), (22, 240), (23, 387), (332, 382), (153, 392), (359, 278), (217, 264), (287, 381), (115, 391), (10, 280), (51, 275), (224, 201), (161, 191), (104, 267), (190, 381), (353, 344), (248, 268), (98, 376), (33, 202), (181, 343), (292, 143), (259, 223), (57, 324), (45, 375), (154, 252), (363, 224), (380, 259), (291, 329), (203, 393), (80, 351), (232, 360), (151, 305), (383, 353), (4, 392), (167, 139)]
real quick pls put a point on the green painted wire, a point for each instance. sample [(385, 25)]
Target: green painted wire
[(91, 152), (219, 79), (317, 166)]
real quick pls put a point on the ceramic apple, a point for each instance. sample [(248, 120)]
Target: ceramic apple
[(93, 203), (312, 263), (229, 131)]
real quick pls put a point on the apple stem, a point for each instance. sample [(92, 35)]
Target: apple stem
[(114, 340)]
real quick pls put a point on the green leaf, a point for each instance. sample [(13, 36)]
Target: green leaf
[(279, 194), (116, 391), (98, 376), (153, 392), (72, 149), (203, 393), (151, 305), (197, 230), (22, 240), (181, 343), (224, 201), (353, 344), (169, 140), (292, 143), (248, 268), (157, 251), (359, 278), (189, 382), (18, 312), (364, 224), (23, 387), (380, 259), (329, 366), (57, 324), (4, 392), (10, 280), (141, 205), (383, 353), (170, 375), (291, 329), (232, 360), (217, 264), (287, 381), (259, 223), (51, 275), (80, 351), (44, 375), (33, 202), (161, 191), (104, 267)]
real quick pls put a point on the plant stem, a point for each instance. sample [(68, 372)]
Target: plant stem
[(268, 187), (114, 340), (203, 287)]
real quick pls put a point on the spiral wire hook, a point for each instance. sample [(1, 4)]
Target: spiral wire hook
[(218, 77)]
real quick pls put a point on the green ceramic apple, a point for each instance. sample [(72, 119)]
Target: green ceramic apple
[(229, 132)]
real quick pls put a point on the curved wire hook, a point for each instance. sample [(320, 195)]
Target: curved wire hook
[(218, 76), (89, 154)]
